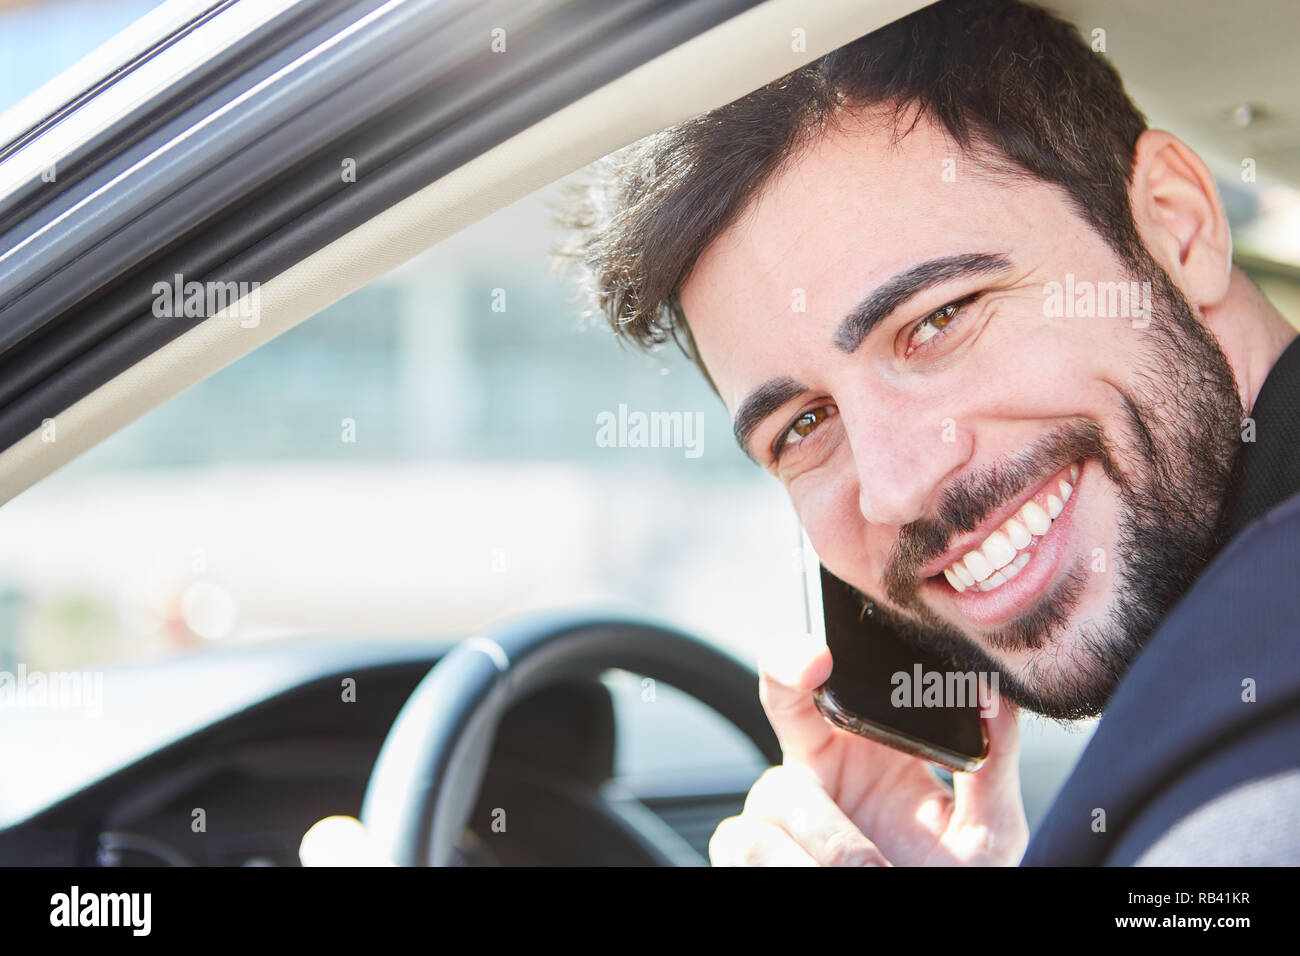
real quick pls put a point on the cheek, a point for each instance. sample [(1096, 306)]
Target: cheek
[(1045, 368), (850, 549)]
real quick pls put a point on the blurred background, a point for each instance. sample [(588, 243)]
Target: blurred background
[(421, 459)]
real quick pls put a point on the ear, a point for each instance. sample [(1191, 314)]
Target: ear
[(1180, 217)]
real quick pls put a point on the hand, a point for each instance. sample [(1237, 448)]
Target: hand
[(843, 800)]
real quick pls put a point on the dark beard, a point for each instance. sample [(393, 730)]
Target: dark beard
[(1181, 437)]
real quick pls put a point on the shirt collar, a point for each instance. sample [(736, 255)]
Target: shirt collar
[(1267, 471)]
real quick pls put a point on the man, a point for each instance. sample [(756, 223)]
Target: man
[(986, 329)]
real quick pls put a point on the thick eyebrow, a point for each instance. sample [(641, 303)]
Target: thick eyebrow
[(877, 305), (885, 298), (760, 403)]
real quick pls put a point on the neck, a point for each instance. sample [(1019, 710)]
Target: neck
[(1251, 332)]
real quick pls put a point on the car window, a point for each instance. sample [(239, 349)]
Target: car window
[(39, 41), (449, 446)]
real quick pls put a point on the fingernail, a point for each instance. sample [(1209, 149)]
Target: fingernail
[(788, 659)]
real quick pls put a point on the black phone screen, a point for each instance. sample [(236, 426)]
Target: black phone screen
[(878, 683)]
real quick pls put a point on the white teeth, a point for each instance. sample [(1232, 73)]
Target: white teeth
[(997, 549), (1004, 552), (1035, 519), (1012, 569), (978, 565)]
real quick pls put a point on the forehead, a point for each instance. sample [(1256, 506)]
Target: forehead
[(854, 207)]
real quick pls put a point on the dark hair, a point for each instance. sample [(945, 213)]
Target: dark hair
[(1016, 89)]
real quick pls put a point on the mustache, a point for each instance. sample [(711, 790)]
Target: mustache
[(972, 498)]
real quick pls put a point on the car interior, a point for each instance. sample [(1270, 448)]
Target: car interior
[(356, 552)]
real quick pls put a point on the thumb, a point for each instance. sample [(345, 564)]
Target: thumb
[(993, 790), (339, 841), (789, 672)]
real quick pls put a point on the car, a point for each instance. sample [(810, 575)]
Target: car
[(322, 495)]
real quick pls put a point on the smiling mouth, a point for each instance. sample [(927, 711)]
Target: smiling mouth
[(1005, 552)]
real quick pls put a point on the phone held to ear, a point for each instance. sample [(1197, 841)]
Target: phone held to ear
[(872, 690)]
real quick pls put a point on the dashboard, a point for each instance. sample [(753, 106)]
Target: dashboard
[(225, 758)]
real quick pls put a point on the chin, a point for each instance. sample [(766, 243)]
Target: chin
[(1074, 672)]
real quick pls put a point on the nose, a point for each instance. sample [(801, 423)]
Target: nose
[(903, 453)]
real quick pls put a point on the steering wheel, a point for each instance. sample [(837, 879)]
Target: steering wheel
[(426, 779)]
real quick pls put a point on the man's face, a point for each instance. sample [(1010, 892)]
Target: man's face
[(1027, 490)]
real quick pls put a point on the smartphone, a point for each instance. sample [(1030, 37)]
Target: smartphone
[(872, 690)]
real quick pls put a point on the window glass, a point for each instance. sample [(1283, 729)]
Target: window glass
[(449, 446), (38, 41)]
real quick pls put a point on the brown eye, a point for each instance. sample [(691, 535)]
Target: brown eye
[(803, 426), (942, 317), (932, 325), (809, 420)]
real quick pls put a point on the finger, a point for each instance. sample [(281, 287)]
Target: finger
[(740, 841), (992, 793), (792, 798), (788, 674), (339, 841)]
